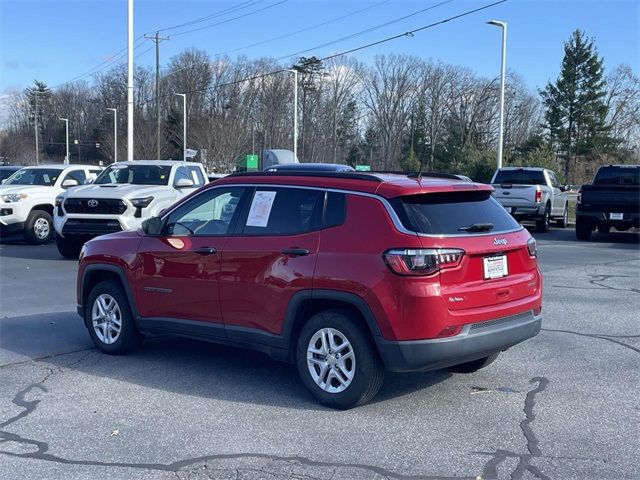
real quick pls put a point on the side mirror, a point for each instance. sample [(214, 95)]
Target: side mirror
[(152, 226), (89, 181), (564, 188), (3, 180), (184, 183), (70, 182)]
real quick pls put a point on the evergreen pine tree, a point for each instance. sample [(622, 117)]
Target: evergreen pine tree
[(575, 108)]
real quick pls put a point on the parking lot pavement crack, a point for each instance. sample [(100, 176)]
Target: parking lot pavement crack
[(609, 338), (46, 357), (490, 470), (598, 280)]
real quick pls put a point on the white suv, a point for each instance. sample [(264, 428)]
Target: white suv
[(123, 195), (27, 198)]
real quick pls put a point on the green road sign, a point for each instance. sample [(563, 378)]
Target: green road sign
[(252, 162), (363, 168)]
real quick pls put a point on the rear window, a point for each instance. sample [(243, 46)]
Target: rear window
[(617, 176), (452, 213), (520, 177)]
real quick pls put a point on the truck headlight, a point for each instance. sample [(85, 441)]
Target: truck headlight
[(141, 202), (59, 200), (13, 197)]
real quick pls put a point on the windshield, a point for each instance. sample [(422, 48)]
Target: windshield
[(452, 213), (135, 174), (617, 176), (520, 177), (34, 176)]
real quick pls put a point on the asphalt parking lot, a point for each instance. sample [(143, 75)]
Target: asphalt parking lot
[(563, 405)]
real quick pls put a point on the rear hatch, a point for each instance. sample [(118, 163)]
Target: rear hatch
[(496, 267), (610, 198)]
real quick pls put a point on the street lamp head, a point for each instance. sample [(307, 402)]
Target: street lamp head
[(497, 23)]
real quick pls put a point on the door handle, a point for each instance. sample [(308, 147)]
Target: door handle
[(205, 251), (300, 252)]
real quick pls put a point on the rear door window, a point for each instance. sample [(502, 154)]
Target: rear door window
[(284, 211), (453, 213)]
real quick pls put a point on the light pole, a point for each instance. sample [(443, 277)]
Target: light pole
[(184, 125), (503, 26), (66, 122), (130, 80), (295, 112), (115, 133)]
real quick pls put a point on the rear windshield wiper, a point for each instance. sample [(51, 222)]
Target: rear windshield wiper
[(477, 227)]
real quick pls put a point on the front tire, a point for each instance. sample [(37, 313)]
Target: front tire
[(475, 365), (69, 247), (543, 224), (38, 228), (108, 317), (604, 228), (337, 360)]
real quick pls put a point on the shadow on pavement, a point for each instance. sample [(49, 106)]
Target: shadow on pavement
[(178, 365)]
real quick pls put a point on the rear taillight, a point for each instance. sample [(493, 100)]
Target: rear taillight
[(532, 246), (422, 261), (449, 331), (538, 196)]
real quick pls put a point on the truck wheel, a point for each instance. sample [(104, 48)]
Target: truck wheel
[(38, 227), (543, 224), (583, 230), (69, 247), (337, 360), (108, 317), (562, 222), (604, 228), (474, 365)]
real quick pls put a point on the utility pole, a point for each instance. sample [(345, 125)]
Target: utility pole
[(295, 112), (115, 133), (36, 130), (66, 123), (157, 38), (184, 125)]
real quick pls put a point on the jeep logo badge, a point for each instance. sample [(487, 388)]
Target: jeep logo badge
[(92, 203), (499, 241)]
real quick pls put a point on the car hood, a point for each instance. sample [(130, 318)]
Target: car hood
[(124, 190)]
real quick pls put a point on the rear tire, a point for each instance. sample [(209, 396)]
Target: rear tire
[(69, 247), (604, 228), (475, 365), (583, 230), (38, 228), (542, 225), (338, 361), (108, 317), (563, 222)]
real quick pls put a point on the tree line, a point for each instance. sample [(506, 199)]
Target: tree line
[(398, 113)]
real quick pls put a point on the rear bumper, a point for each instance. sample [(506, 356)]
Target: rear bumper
[(476, 341), (629, 219)]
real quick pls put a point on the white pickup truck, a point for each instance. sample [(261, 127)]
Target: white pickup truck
[(123, 195), (27, 198), (532, 194)]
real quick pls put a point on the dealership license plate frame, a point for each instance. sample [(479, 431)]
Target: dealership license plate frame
[(495, 266)]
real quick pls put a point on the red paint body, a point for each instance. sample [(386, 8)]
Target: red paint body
[(249, 282)]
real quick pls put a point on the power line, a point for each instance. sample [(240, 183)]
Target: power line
[(368, 30), (230, 19), (246, 4), (303, 30), (409, 33)]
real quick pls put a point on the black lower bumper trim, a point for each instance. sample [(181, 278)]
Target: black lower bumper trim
[(476, 341), (12, 227)]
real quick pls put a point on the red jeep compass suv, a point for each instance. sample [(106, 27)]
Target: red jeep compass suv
[(345, 274)]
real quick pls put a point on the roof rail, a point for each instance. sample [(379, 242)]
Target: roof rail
[(302, 173), (420, 174)]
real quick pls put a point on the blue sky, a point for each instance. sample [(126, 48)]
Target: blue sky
[(55, 41)]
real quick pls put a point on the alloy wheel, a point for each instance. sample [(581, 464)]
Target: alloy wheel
[(106, 318), (331, 360)]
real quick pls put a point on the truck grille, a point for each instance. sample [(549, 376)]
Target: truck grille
[(101, 206)]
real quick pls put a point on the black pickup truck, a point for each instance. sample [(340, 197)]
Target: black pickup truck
[(612, 200)]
